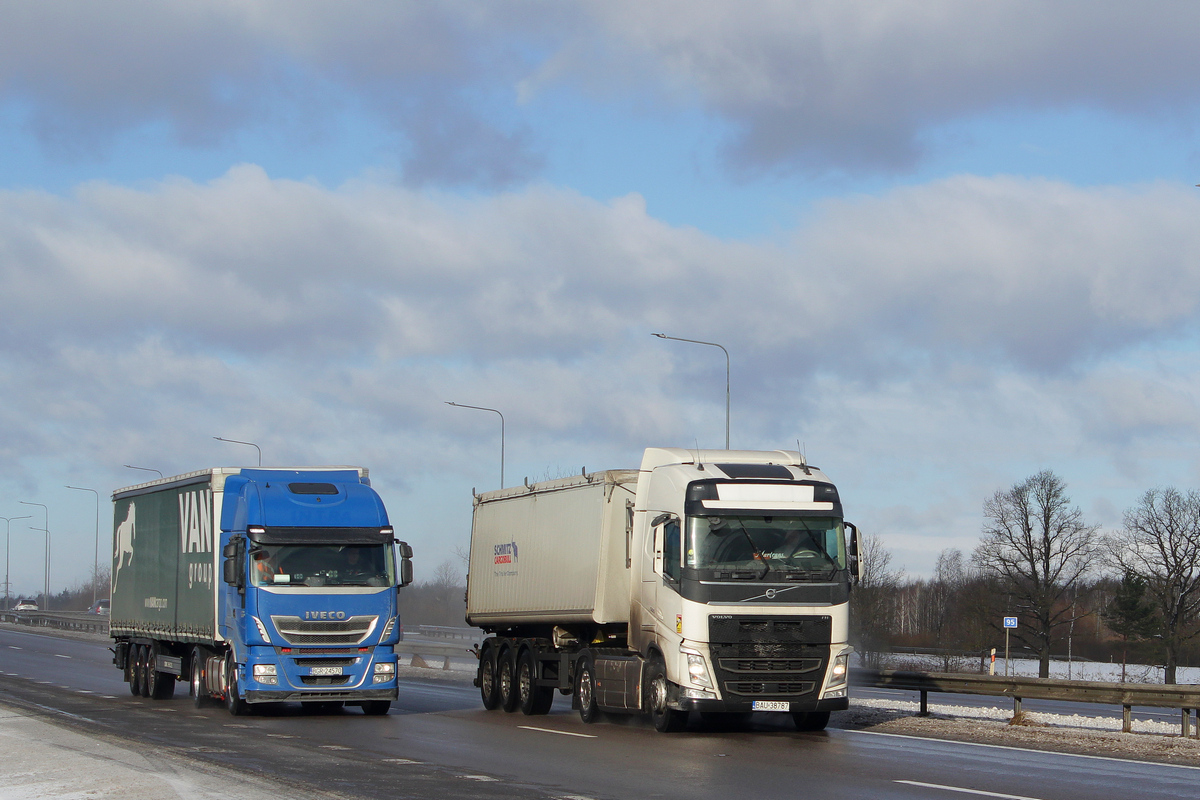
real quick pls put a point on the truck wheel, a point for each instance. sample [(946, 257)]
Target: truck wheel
[(144, 667), (506, 681), (236, 705), (376, 708), (199, 686), (810, 720), (665, 718), (533, 699), (585, 692), (159, 685), (133, 673), (487, 679)]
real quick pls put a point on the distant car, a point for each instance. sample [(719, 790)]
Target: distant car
[(99, 607), (26, 605)]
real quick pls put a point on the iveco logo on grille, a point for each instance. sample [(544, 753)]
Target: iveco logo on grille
[(324, 614)]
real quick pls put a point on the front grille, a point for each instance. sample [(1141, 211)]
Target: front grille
[(770, 657), (748, 689), (325, 662), (774, 665), (297, 631), (325, 680)]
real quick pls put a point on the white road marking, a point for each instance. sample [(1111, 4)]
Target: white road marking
[(560, 733), (14, 647), (334, 747), (401, 761), (280, 736), (1024, 749), (480, 778), (961, 790), (60, 655)]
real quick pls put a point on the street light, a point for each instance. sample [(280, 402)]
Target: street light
[(248, 444), (46, 596), (494, 411), (7, 585), (147, 469), (726, 352), (96, 555)]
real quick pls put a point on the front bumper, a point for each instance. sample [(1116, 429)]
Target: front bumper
[(741, 706), (358, 696)]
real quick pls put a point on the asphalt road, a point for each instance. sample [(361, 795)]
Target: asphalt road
[(438, 742)]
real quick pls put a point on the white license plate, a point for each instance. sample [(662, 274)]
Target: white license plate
[(770, 705), (331, 671)]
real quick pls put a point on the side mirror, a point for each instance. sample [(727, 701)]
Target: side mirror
[(406, 567), (852, 549), (232, 569)]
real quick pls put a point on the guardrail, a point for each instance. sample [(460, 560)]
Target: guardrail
[(1126, 695), (446, 632), (63, 620), (420, 650)]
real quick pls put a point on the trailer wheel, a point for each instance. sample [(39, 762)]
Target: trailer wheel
[(533, 699), (488, 690), (665, 718), (159, 685), (143, 678), (236, 705), (810, 720), (506, 681), (133, 673), (585, 692)]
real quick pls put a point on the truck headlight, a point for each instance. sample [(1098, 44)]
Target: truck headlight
[(698, 670), (839, 671), (385, 667), (265, 673)]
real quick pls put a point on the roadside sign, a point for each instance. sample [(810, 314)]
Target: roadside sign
[(1010, 622)]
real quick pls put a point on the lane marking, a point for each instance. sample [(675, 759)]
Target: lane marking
[(560, 733), (333, 747), (961, 790), (481, 778), (401, 761), (14, 647), (1025, 750), (60, 655), (280, 736)]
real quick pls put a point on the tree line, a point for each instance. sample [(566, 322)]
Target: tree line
[(1133, 593)]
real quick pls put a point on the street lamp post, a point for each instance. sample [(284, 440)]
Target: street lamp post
[(7, 585), (248, 444), (726, 352), (96, 555), (494, 411), (144, 469), (46, 596)]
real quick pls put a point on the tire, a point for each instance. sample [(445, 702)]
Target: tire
[(376, 708), (236, 705), (585, 692), (532, 699), (488, 688), (133, 672), (144, 666), (159, 685), (810, 720), (198, 686), (506, 682), (665, 718)]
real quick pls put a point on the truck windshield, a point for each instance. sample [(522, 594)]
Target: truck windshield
[(744, 542), (322, 565)]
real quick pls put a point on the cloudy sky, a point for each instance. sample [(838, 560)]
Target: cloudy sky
[(946, 244)]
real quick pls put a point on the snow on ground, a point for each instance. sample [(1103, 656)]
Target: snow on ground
[(1078, 670), (948, 711)]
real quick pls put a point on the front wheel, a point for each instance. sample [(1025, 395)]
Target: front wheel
[(376, 708), (665, 718), (810, 720), (236, 705), (585, 692)]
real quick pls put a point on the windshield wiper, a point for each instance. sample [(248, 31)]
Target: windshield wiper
[(761, 556)]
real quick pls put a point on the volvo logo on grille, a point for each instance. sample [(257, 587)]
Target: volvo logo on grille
[(324, 614), (770, 594)]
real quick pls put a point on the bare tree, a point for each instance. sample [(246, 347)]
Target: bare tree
[(1038, 547), (873, 600), (950, 575), (1160, 546)]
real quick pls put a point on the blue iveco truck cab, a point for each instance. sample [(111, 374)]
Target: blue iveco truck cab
[(258, 586)]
